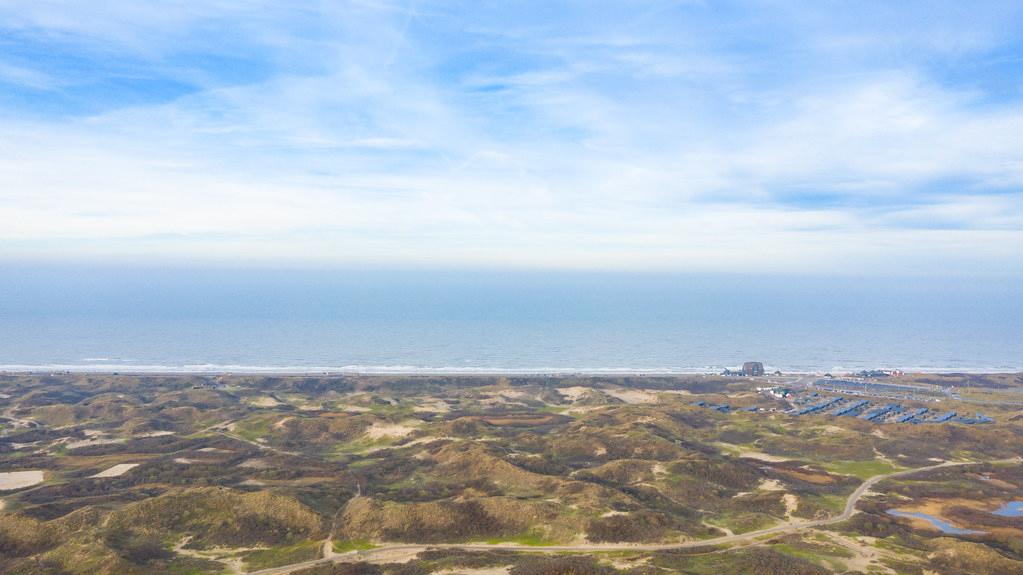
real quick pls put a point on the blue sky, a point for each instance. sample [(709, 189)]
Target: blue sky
[(697, 136)]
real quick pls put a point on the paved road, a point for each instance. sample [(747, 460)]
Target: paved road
[(790, 527)]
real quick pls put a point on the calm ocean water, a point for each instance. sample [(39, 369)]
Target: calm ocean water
[(106, 319)]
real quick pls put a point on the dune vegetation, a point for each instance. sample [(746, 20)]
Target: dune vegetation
[(244, 472)]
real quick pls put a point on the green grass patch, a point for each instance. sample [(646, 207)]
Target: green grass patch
[(862, 469), (257, 426), (191, 566), (816, 555), (364, 444), (277, 556), (833, 502), (530, 538), (810, 504), (739, 522), (352, 545), (402, 410), (729, 449), (362, 463)]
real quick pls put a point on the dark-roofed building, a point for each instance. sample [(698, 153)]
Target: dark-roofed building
[(752, 368)]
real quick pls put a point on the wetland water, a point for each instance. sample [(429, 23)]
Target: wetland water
[(1010, 509), (941, 524)]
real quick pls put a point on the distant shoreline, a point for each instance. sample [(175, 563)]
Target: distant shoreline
[(106, 369)]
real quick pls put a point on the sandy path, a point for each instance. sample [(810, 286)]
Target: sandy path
[(750, 536)]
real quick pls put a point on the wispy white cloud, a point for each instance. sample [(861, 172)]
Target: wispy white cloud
[(26, 77), (404, 134)]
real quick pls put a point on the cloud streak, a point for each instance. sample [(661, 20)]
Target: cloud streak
[(573, 136)]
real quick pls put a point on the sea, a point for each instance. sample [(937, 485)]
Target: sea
[(157, 319)]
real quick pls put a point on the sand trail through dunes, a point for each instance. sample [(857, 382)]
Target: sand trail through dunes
[(743, 538)]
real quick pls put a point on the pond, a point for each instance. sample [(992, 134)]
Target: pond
[(1010, 509), (941, 524)]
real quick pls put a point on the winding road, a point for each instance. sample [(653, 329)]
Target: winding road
[(748, 537)]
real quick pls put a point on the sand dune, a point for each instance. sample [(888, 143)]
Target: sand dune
[(117, 470)]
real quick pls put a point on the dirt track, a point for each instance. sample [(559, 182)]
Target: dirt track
[(789, 527)]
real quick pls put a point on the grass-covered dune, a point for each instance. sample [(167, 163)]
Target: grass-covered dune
[(202, 474)]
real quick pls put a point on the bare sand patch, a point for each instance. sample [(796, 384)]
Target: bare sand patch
[(513, 393), (759, 456), (213, 450), (263, 401), (229, 556), (429, 439), (94, 441), (381, 430), (183, 461), (632, 395), (416, 441), (354, 408), (791, 503), (394, 556), (866, 557), (117, 470), (280, 424), (19, 479), (626, 563), (255, 464), (771, 485), (436, 406), (612, 513), (155, 434), (574, 393)]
